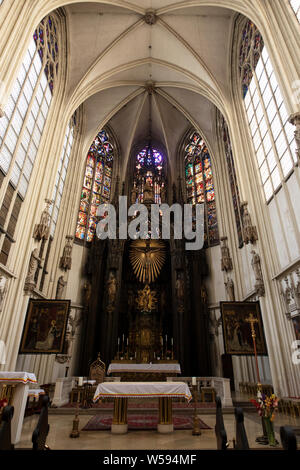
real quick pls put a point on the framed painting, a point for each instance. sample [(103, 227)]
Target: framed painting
[(237, 334), (45, 327)]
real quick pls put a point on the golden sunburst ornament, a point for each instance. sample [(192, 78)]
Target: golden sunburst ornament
[(147, 257)]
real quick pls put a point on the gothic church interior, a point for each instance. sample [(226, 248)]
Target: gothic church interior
[(164, 102)]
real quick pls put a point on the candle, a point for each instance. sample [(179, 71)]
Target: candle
[(118, 340), (154, 355), (172, 341), (80, 381), (127, 342), (194, 381)]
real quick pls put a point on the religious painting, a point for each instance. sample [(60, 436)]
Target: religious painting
[(237, 319), (45, 327), (296, 324)]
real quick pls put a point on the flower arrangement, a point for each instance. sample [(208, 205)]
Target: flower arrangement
[(3, 403), (266, 406)]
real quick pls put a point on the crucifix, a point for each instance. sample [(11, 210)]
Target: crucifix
[(252, 320)]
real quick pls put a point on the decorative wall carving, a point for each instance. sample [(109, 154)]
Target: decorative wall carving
[(42, 230), (226, 261), (259, 282), (150, 17), (66, 259)]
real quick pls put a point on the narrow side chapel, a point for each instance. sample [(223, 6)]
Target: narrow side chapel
[(149, 225)]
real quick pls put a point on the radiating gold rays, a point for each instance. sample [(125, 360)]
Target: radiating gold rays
[(147, 258)]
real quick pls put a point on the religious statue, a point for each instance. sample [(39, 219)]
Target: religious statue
[(226, 261), (42, 230), (249, 230), (203, 294), (134, 193), (163, 195), (34, 263), (229, 285), (147, 258), (111, 290), (3, 290), (148, 196), (255, 263), (146, 300), (66, 259), (61, 284), (87, 290)]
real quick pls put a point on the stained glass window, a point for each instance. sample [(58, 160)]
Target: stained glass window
[(295, 4), (199, 184), (232, 180), (26, 111), (96, 185), (149, 168), (272, 134)]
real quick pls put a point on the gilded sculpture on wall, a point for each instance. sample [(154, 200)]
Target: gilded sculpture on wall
[(147, 299)]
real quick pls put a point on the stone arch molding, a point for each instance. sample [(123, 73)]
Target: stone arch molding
[(15, 41)]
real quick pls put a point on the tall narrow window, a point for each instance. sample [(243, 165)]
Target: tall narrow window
[(96, 186), (25, 115), (199, 184), (62, 172), (295, 4), (272, 134), (149, 168), (233, 181)]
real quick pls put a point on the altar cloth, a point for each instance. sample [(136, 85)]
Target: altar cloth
[(143, 390), (152, 368), (17, 377)]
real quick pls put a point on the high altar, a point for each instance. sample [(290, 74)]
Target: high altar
[(145, 303)]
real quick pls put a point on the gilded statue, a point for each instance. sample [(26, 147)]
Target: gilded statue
[(147, 299)]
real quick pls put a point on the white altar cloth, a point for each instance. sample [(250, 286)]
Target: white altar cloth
[(35, 392), (21, 380), (153, 368), (17, 377), (143, 390)]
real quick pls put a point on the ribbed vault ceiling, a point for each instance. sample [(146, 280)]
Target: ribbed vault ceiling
[(116, 58)]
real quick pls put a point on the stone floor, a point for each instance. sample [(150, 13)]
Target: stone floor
[(61, 426)]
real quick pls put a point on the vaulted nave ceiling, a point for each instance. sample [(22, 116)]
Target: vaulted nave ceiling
[(116, 58)]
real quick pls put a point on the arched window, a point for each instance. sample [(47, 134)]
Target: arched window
[(272, 134), (232, 180), (22, 126), (295, 4), (199, 184), (96, 186), (149, 167)]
